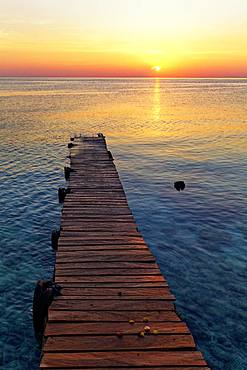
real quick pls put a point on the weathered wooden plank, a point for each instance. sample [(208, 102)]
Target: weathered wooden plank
[(102, 194), (106, 237), (134, 358), (113, 328), (100, 184), (98, 225), (95, 208), (91, 200), (96, 188), (88, 212), (123, 292), (81, 226), (91, 195), (112, 304), (99, 234), (71, 248), (110, 279), (163, 297), (148, 317), (107, 272), (110, 284), (94, 180), (93, 205), (113, 265), (99, 241), (115, 343), (100, 218), (81, 201), (137, 368), (102, 257), (82, 253)]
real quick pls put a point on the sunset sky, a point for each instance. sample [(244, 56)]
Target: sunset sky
[(115, 38)]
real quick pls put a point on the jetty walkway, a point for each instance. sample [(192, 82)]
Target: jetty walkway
[(116, 310)]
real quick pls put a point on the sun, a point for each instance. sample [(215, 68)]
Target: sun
[(156, 68)]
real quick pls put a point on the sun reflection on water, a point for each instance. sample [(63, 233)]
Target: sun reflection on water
[(156, 100)]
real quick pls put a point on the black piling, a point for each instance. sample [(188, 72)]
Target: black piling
[(67, 171), (44, 293), (110, 155), (179, 185), (62, 192), (55, 234)]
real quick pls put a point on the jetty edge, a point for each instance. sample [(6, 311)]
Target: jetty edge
[(114, 309)]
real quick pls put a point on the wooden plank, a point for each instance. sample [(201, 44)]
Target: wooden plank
[(98, 234), (101, 224), (102, 194), (101, 212), (112, 304), (111, 184), (98, 241), (108, 258), (86, 227), (117, 359), (107, 272), (71, 248), (137, 368), (113, 265), (96, 208), (81, 201), (163, 297), (107, 238), (113, 328), (110, 284), (100, 218), (91, 194), (115, 343), (149, 316), (123, 292), (110, 279), (140, 253)]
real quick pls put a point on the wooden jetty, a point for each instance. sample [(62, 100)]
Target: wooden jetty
[(116, 310)]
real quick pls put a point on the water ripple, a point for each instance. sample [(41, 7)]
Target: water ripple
[(159, 131)]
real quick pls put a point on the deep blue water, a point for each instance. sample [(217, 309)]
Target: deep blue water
[(159, 131)]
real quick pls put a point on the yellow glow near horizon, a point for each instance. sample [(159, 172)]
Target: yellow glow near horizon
[(124, 38)]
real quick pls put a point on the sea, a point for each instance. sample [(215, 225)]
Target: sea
[(159, 131)]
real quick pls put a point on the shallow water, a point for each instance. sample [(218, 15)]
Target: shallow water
[(159, 131)]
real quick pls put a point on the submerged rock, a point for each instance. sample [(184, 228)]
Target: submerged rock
[(179, 185)]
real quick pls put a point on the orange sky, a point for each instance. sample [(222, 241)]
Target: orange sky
[(114, 38)]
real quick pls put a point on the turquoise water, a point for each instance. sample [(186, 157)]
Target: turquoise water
[(159, 131)]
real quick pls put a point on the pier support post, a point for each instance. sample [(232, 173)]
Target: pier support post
[(62, 192), (67, 171), (110, 155), (44, 293), (55, 234)]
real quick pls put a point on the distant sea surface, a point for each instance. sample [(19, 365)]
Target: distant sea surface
[(159, 131)]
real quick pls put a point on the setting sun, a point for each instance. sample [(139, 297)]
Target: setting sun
[(156, 68)]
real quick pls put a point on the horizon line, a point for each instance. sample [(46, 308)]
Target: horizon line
[(128, 77)]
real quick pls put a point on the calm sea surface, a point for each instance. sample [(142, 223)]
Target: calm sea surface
[(159, 131)]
